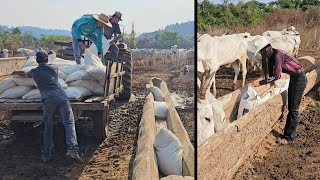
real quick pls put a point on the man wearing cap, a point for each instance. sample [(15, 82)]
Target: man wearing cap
[(274, 62), (54, 100), (90, 27), (114, 30)]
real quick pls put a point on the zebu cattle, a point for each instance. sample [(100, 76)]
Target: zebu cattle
[(190, 56), (187, 72), (175, 55), (161, 55), (23, 52), (141, 56), (290, 32), (215, 51), (4, 53), (210, 111)]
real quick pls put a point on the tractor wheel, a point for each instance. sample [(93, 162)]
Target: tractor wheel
[(125, 56)]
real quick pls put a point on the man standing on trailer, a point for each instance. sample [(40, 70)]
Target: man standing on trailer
[(114, 30), (54, 100)]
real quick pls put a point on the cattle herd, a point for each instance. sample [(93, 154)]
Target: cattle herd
[(235, 50)]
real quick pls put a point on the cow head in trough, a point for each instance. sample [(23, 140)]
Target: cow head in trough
[(210, 111)]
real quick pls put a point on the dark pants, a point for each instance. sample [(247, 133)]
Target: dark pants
[(296, 87)]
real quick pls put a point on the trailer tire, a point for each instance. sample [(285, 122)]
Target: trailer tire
[(127, 77)]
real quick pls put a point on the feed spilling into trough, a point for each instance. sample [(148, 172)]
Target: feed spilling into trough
[(146, 161)]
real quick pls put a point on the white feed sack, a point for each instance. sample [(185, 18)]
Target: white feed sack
[(169, 152), (74, 92), (31, 61), (106, 44), (160, 109), (6, 84), (91, 60), (156, 92), (22, 81), (92, 86), (33, 94), (79, 75), (98, 73), (69, 69), (62, 83), (15, 92)]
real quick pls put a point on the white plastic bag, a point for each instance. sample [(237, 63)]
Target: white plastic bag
[(93, 48), (15, 92), (33, 94), (91, 85), (156, 92), (6, 84), (251, 99), (74, 92), (79, 75), (169, 152), (22, 81), (160, 109)]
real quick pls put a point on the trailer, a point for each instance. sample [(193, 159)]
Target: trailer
[(117, 87)]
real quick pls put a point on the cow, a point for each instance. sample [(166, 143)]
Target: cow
[(23, 52), (187, 72), (141, 55), (214, 52), (158, 55), (290, 32), (190, 56), (211, 117), (4, 53)]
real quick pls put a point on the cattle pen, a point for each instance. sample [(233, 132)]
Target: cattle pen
[(223, 153)]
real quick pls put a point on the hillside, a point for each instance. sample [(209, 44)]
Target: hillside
[(37, 32)]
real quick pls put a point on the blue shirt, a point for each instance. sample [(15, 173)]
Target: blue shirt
[(88, 25), (46, 78), (108, 32)]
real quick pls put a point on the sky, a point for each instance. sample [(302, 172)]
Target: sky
[(147, 15)]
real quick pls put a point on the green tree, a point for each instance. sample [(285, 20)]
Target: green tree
[(47, 42), (16, 30), (168, 39)]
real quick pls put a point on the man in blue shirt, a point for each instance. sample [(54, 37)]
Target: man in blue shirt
[(90, 27), (54, 100), (114, 30)]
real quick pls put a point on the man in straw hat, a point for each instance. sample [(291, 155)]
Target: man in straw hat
[(54, 100), (114, 30), (275, 61), (90, 27)]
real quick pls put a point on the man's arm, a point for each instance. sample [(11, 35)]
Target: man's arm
[(20, 73)]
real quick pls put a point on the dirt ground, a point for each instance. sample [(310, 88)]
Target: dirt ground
[(297, 160), (111, 159)]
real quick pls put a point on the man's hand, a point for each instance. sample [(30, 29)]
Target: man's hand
[(20, 73), (83, 46), (100, 56), (255, 83)]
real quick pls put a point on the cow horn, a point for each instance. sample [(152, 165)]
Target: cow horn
[(206, 78)]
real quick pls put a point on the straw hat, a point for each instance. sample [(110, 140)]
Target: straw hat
[(102, 18), (260, 44)]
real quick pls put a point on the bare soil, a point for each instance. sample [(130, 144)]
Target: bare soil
[(111, 159), (299, 159)]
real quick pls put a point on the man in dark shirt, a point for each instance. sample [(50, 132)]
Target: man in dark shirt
[(114, 31), (54, 100)]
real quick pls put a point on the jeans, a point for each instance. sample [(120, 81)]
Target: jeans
[(296, 87), (52, 105), (76, 46)]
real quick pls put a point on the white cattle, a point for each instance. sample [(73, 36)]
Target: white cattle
[(158, 55), (190, 56), (187, 72), (291, 32), (4, 53), (23, 52), (216, 51), (183, 57), (175, 55), (210, 111), (141, 55)]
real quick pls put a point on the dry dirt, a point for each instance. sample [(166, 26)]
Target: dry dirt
[(297, 160), (111, 159)]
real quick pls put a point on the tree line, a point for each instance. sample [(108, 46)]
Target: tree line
[(253, 12)]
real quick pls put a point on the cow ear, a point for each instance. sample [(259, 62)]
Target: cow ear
[(224, 100)]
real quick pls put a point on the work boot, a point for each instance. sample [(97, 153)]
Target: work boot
[(74, 157)]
